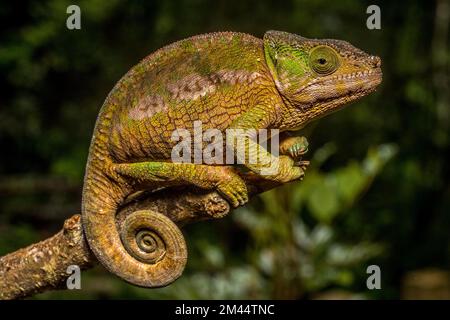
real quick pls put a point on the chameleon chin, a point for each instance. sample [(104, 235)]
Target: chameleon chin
[(227, 81)]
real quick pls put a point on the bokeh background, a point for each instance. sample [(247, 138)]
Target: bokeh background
[(377, 191)]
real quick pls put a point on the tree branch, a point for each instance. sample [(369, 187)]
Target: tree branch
[(43, 266)]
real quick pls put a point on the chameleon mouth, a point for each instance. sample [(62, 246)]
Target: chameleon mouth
[(356, 80), (360, 74), (371, 82), (356, 85), (349, 82)]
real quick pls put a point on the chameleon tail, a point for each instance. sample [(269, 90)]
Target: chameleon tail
[(147, 249)]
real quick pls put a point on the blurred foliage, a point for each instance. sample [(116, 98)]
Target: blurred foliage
[(378, 190)]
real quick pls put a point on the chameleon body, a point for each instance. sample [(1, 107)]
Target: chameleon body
[(225, 80)]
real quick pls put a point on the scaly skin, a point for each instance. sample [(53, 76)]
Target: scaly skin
[(225, 80)]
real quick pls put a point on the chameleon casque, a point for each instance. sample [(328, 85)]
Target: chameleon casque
[(226, 80)]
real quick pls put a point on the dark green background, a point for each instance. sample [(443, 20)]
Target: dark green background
[(377, 192)]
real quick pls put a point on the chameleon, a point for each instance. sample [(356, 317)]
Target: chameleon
[(226, 80)]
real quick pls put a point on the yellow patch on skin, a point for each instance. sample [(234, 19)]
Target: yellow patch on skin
[(341, 87)]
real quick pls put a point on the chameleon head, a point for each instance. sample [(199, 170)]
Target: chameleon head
[(317, 77)]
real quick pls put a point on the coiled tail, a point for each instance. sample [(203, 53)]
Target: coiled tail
[(147, 249)]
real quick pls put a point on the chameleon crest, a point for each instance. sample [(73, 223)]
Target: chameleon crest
[(225, 80)]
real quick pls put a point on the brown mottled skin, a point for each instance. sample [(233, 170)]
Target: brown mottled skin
[(226, 80)]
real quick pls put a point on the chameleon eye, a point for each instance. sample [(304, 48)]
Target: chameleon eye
[(323, 60)]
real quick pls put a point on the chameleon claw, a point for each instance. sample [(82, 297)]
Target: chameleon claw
[(299, 146), (302, 163)]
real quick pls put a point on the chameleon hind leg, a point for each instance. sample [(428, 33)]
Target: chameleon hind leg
[(222, 178)]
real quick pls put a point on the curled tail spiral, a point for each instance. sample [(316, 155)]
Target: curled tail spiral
[(147, 249)]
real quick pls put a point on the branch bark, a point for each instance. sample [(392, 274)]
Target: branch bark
[(43, 266)]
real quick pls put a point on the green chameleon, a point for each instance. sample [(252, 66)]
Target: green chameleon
[(226, 80)]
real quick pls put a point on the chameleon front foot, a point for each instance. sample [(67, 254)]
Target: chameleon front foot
[(153, 239), (294, 147)]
